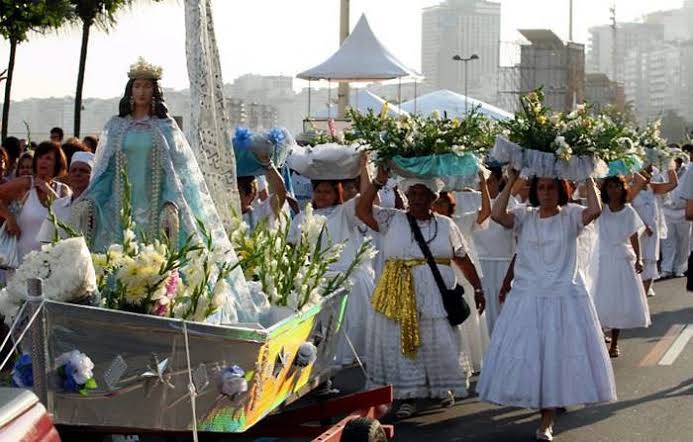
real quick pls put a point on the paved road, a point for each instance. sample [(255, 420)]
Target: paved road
[(655, 402)]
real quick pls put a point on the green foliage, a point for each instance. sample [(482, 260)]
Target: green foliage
[(18, 18)]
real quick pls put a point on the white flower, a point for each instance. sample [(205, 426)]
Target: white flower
[(435, 115), (81, 363), (564, 152), (458, 150)]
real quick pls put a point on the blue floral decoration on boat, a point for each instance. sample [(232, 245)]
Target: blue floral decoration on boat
[(22, 373)]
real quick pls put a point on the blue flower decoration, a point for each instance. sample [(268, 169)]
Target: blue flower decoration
[(22, 373), (242, 138), (276, 136)]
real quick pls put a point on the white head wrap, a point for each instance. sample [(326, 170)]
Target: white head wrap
[(435, 185), (83, 157)]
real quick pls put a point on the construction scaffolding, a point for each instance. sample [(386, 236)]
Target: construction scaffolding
[(546, 62)]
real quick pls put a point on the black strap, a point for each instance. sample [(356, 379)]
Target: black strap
[(427, 253)]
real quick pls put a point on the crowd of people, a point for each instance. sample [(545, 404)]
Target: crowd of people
[(552, 269)]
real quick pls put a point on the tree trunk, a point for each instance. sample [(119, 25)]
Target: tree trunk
[(86, 26), (8, 88)]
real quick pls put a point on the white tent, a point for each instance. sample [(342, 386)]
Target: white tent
[(453, 104), (362, 100), (360, 58)]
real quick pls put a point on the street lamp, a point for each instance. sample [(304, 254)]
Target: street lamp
[(465, 60)]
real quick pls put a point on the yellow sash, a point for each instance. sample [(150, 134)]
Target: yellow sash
[(394, 298)]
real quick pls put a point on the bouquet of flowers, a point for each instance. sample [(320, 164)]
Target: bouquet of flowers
[(63, 282), (656, 149), (425, 147), (76, 372), (295, 272)]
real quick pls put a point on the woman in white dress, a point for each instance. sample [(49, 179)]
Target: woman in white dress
[(412, 346), (475, 334), (495, 246), (643, 195), (342, 226), (619, 296), (547, 350)]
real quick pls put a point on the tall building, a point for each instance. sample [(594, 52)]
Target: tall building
[(676, 23), (609, 58), (462, 27)]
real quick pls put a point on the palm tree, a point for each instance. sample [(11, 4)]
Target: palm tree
[(101, 13), (17, 19)]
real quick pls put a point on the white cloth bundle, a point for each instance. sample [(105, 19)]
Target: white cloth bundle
[(329, 161)]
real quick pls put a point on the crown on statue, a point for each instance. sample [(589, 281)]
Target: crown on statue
[(145, 71)]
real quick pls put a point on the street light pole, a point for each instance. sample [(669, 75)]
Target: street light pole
[(466, 76)]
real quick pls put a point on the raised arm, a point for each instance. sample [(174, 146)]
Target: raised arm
[(485, 210), (672, 182), (12, 191), (499, 213), (365, 178), (364, 206), (594, 204), (638, 184)]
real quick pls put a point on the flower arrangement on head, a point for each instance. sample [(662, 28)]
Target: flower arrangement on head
[(423, 147), (76, 372), (158, 277), (575, 146), (294, 275), (656, 150)]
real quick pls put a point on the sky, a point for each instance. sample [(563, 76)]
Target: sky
[(266, 37)]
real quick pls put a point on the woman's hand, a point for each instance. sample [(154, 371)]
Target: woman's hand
[(638, 266), (383, 174), (11, 227)]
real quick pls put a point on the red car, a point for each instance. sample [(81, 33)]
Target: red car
[(23, 418)]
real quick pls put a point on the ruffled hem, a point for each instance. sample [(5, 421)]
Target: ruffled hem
[(423, 392), (545, 164)]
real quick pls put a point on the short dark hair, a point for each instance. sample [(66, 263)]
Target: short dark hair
[(46, 147), (59, 132), (687, 147), (246, 184), (90, 143), (12, 147), (335, 184), (71, 146), (562, 185), (618, 180), (28, 154), (448, 196)]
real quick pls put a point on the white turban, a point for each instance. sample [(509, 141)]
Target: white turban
[(83, 157), (435, 185)]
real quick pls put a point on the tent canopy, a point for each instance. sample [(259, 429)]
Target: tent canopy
[(360, 58), (362, 100), (453, 104)]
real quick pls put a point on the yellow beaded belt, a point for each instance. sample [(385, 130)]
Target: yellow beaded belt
[(394, 298)]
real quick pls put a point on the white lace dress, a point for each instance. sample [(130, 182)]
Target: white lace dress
[(440, 364), (342, 225), (647, 206), (547, 348), (619, 296)]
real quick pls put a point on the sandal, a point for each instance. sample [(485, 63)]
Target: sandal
[(448, 401), (614, 352), (546, 434), (406, 410)]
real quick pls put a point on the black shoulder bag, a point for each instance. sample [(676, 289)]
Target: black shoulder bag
[(453, 299)]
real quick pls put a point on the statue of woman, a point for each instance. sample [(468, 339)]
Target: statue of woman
[(168, 192)]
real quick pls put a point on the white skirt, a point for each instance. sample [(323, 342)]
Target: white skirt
[(475, 336), (619, 296), (356, 319), (547, 352), (494, 272), (439, 366)]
